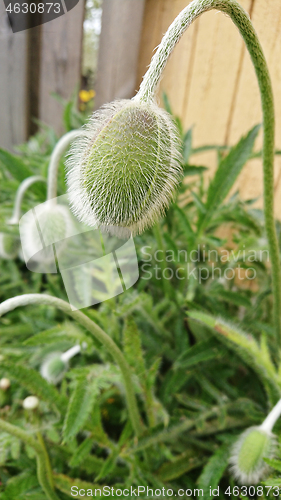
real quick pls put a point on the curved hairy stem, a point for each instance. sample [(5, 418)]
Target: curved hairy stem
[(96, 331), (59, 149), (20, 194), (272, 418), (43, 463), (244, 25)]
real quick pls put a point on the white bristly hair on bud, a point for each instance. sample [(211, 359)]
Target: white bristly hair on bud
[(123, 171), (5, 384), (30, 403), (254, 444)]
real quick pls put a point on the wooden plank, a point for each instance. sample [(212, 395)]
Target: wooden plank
[(60, 63), (218, 52), (150, 36), (33, 66), (119, 49), (12, 84), (266, 19), (180, 61)]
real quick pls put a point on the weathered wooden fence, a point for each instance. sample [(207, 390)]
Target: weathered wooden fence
[(34, 64)]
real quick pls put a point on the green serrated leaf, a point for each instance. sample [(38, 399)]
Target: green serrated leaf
[(200, 206), (181, 465), (98, 432), (213, 470), (247, 348), (185, 226), (190, 170), (64, 484), (21, 484), (187, 145), (233, 297), (82, 451), (132, 346), (33, 382), (275, 464), (202, 351), (80, 406), (108, 466), (227, 173)]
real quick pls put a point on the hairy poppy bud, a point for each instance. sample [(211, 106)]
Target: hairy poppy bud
[(53, 368), (9, 245), (54, 223), (56, 364), (123, 171), (247, 464)]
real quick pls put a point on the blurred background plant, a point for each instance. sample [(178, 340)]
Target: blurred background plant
[(199, 381)]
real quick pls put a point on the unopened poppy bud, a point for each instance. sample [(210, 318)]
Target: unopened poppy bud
[(53, 368), (54, 223), (56, 364), (30, 403), (5, 384), (255, 444), (247, 464), (9, 245), (124, 170)]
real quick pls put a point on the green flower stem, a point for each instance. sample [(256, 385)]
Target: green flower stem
[(59, 149), (20, 194), (47, 463), (272, 418), (96, 331), (42, 458), (244, 25)]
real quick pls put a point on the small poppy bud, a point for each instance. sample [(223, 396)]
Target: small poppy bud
[(5, 384), (30, 403), (247, 464), (9, 245), (54, 223), (53, 368), (56, 364), (124, 170)]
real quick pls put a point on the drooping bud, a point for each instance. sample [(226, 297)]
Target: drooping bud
[(53, 368), (9, 245), (247, 464), (51, 224), (30, 403), (56, 364), (124, 170)]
